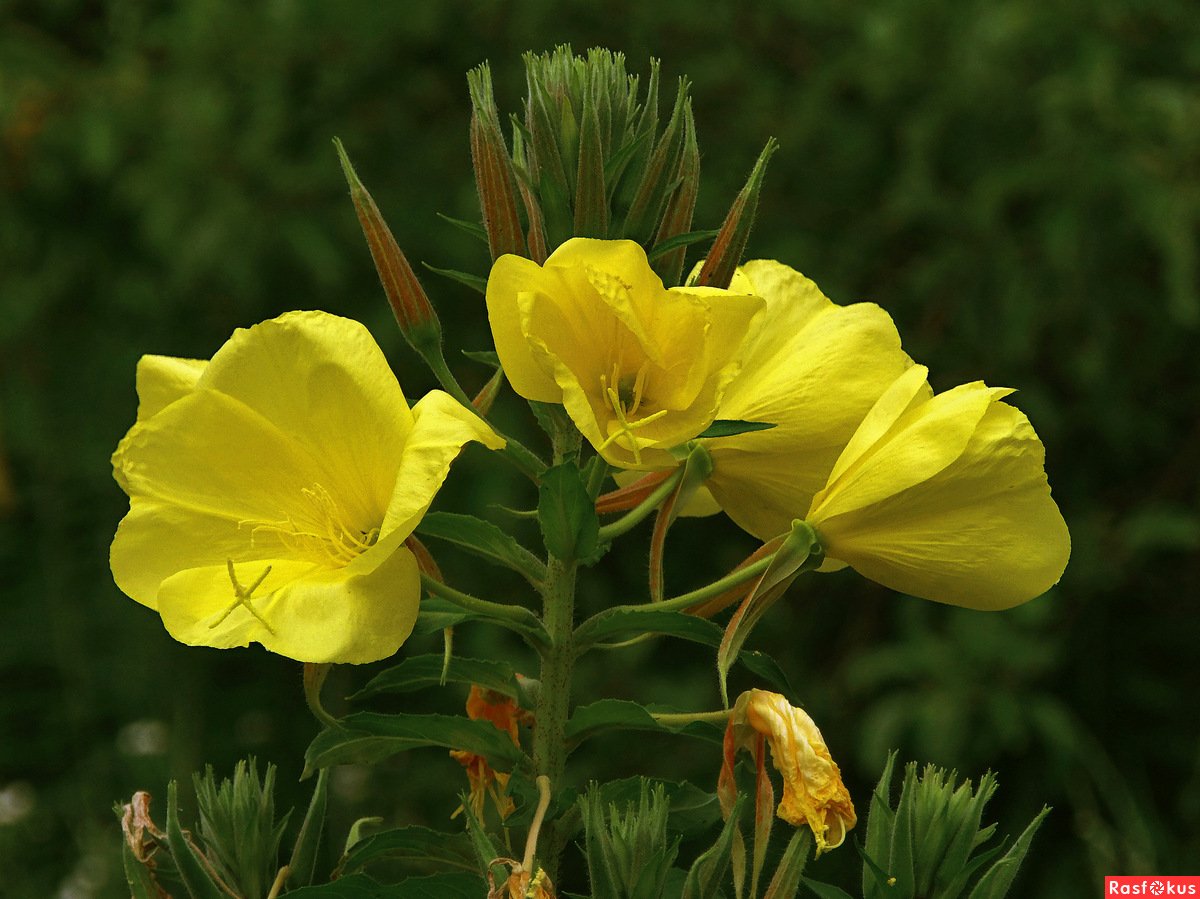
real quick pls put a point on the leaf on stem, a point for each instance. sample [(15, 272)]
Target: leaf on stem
[(483, 539)]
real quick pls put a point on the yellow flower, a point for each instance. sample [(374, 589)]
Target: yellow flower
[(813, 369), (813, 792), (271, 491), (945, 497), (639, 368)]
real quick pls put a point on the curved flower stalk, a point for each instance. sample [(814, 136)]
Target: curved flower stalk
[(640, 369), (813, 792), (271, 491), (945, 497)]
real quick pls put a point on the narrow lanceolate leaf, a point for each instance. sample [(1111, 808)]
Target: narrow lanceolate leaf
[(707, 873), (677, 217), (424, 671), (414, 313), (725, 427), (621, 714), (998, 879), (881, 821), (452, 885), (475, 282), (367, 737), (824, 890), (413, 847), (591, 199), (475, 229), (493, 169), (786, 881), (138, 877), (482, 538), (194, 870), (726, 253), (303, 865)]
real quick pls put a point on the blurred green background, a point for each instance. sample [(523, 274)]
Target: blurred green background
[(1016, 181)]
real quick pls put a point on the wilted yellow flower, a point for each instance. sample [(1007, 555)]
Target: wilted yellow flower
[(482, 779), (945, 497), (813, 792), (639, 368), (271, 490)]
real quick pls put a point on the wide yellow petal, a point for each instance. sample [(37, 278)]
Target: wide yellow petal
[(441, 427), (323, 382), (983, 532), (812, 369), (357, 614), (625, 257), (158, 539), (922, 442), (161, 380), (210, 454), (509, 279)]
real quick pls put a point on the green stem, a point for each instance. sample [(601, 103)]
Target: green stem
[(642, 510), (680, 719), (557, 667), (517, 618)]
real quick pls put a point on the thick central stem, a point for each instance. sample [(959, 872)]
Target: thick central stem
[(554, 697), (558, 664)]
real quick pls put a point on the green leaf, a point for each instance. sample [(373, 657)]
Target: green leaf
[(674, 243), (625, 622), (455, 885), (137, 876), (708, 871), (728, 427), (484, 539), (420, 672), (472, 281), (367, 737), (824, 890), (303, 866), (475, 229), (900, 857), (567, 515), (622, 714), (786, 881), (415, 846), (485, 357), (692, 811), (192, 869), (998, 879), (437, 615), (881, 820)]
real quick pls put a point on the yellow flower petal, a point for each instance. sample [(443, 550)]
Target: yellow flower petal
[(441, 427), (355, 614), (813, 369), (946, 498), (161, 380), (639, 369)]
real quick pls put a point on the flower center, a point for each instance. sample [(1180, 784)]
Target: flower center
[(321, 530), (624, 393)]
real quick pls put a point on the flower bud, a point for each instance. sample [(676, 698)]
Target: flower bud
[(414, 313)]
